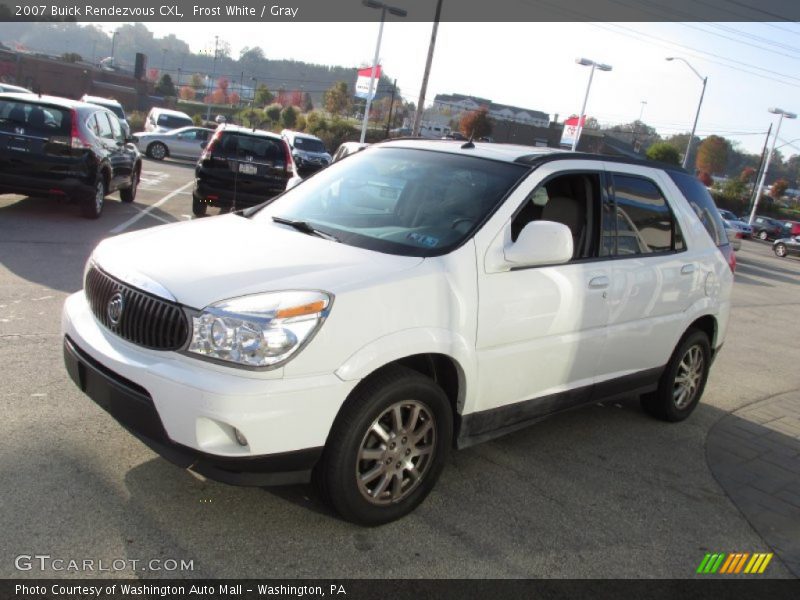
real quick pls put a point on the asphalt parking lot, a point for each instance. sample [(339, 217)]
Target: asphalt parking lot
[(604, 491)]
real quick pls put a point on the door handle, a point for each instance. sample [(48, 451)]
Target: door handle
[(598, 283), (687, 269)]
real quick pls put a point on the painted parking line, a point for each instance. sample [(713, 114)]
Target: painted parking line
[(150, 179), (123, 226)]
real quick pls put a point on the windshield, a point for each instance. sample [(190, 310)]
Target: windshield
[(308, 145), (400, 201)]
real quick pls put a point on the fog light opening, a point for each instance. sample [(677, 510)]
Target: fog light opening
[(242, 441)]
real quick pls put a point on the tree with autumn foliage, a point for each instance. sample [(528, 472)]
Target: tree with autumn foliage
[(705, 178), (186, 93), (476, 123), (337, 99), (712, 155), (747, 174), (779, 188)]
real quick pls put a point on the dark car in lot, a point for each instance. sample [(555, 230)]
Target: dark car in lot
[(788, 246), (241, 167), (766, 228), (51, 146)]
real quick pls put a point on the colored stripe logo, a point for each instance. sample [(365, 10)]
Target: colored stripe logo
[(734, 563)]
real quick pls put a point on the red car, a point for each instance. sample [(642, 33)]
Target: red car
[(792, 228)]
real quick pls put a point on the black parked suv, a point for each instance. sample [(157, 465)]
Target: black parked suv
[(52, 146), (765, 228), (241, 167)]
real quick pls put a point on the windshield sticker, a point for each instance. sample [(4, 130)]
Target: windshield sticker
[(425, 240)]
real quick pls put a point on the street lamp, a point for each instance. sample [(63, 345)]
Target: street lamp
[(782, 113), (384, 8), (699, 104), (211, 83), (595, 65)]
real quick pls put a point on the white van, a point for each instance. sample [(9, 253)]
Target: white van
[(160, 120), (417, 297)]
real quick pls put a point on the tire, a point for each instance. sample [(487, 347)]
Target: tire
[(762, 235), (92, 206), (675, 400), (157, 151), (198, 206), (780, 250), (392, 478), (129, 194)]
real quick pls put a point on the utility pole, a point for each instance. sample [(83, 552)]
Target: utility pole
[(431, 46), (213, 72), (758, 171), (391, 106)]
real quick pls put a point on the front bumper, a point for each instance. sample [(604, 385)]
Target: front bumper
[(186, 409)]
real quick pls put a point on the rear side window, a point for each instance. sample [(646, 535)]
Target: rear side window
[(703, 205), (103, 126), (242, 146), (173, 122), (32, 118), (638, 221)]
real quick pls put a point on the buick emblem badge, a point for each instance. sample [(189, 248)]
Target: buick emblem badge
[(115, 307)]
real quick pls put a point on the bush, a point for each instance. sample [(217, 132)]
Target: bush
[(301, 123), (136, 120), (273, 112), (664, 152), (289, 117)]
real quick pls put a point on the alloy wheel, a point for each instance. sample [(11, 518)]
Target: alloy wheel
[(396, 452), (689, 377)]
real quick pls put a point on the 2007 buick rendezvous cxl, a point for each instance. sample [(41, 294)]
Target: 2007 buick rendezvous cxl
[(414, 297)]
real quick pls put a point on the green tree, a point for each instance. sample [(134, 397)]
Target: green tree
[(712, 155), (664, 152), (165, 87), (316, 123), (273, 112), (308, 105), (734, 189), (476, 124), (289, 117), (263, 96), (337, 99)]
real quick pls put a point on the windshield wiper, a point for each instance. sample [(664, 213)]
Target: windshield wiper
[(305, 227)]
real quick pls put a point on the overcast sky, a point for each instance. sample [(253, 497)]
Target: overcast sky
[(750, 66)]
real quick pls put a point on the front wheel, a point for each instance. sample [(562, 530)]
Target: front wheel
[(762, 235), (683, 380), (157, 150), (387, 447), (780, 250)]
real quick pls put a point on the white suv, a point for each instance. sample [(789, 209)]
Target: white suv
[(418, 296)]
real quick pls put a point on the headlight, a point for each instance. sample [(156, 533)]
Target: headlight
[(263, 330)]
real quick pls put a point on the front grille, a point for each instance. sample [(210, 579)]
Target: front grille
[(145, 320)]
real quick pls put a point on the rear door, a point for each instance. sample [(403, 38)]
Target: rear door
[(653, 279), (189, 143), (251, 165)]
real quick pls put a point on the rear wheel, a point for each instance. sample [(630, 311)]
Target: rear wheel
[(198, 206), (683, 380), (387, 447), (762, 235), (92, 206), (129, 194), (780, 250), (157, 150)]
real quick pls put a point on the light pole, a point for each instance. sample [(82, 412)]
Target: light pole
[(782, 113), (398, 12), (211, 83), (255, 89), (113, 42), (595, 65), (699, 104), (421, 102)]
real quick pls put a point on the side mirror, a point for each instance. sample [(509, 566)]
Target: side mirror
[(132, 139), (540, 243), (293, 182)]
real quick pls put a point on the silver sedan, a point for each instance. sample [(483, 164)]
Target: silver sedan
[(186, 142)]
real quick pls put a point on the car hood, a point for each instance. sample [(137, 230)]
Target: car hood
[(207, 260)]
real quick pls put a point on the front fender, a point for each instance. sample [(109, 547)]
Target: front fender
[(409, 342)]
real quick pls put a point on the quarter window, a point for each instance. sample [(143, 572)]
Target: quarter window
[(638, 220), (104, 126)]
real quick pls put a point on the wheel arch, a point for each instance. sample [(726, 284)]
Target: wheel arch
[(160, 143), (708, 325)]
